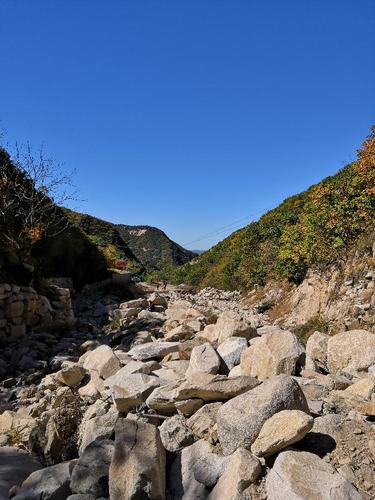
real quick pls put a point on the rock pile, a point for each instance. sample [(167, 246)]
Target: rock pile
[(184, 398)]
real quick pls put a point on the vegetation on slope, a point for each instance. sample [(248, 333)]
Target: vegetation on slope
[(153, 248), (107, 238), (37, 240), (313, 229)]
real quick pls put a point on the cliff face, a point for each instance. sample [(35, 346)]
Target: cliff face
[(342, 297)]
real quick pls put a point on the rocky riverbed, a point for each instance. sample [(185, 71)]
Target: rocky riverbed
[(175, 395)]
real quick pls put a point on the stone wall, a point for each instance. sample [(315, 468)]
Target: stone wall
[(21, 309)]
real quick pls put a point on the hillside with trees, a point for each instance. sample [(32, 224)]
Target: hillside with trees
[(153, 248), (311, 230)]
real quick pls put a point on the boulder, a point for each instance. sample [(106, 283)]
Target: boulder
[(274, 353), (71, 375), (156, 299), (214, 387), (101, 360), (133, 390), (297, 474), (351, 351), (203, 359), (138, 465), (316, 350), (240, 420), (50, 483), (175, 434), (195, 468), (128, 369), (96, 428), (229, 324), (153, 350), (242, 470), (90, 474), (281, 430), (201, 386), (188, 407), (181, 332), (230, 351)]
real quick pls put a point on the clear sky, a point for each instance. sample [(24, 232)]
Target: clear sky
[(189, 114)]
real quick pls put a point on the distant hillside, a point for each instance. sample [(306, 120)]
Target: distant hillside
[(322, 226), (153, 248), (107, 238)]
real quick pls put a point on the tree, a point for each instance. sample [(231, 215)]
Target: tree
[(33, 188)]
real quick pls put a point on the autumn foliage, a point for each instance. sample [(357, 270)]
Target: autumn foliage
[(316, 228)]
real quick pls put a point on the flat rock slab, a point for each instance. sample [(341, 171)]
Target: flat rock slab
[(153, 350)]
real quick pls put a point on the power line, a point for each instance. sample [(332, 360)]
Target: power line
[(224, 228)]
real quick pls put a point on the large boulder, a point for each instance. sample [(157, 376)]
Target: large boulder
[(71, 375), (230, 351), (90, 474), (281, 430), (50, 483), (101, 360), (351, 351), (138, 465), (300, 475), (195, 469), (242, 470), (202, 386), (133, 390), (99, 426), (203, 359), (274, 353), (229, 324), (240, 420)]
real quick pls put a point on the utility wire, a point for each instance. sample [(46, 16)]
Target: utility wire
[(225, 228)]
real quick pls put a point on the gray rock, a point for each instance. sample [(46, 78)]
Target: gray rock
[(175, 434), (50, 483), (203, 359), (240, 420), (138, 465), (90, 475), (274, 353), (242, 470), (230, 351), (153, 350)]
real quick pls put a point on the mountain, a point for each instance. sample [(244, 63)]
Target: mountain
[(107, 238), (153, 248), (313, 230)]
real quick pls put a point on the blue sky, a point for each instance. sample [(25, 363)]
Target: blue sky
[(189, 114)]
